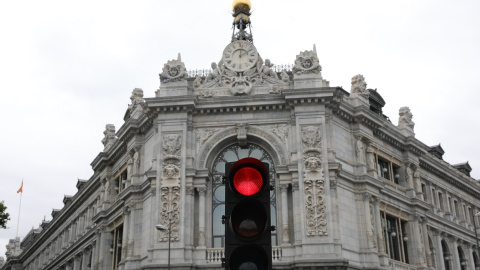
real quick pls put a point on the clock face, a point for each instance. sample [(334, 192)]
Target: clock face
[(240, 55)]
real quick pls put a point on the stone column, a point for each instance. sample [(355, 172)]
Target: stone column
[(428, 252), (369, 221), (202, 191), (416, 250), (126, 230), (297, 204), (382, 254), (76, 261), (285, 227), (131, 233), (470, 251), (440, 255), (68, 266), (454, 250)]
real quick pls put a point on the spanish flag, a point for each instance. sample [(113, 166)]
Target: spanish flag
[(21, 188)]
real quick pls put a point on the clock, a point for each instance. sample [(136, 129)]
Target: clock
[(240, 56)]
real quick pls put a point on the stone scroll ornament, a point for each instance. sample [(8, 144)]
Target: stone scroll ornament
[(314, 182), (170, 186), (307, 62), (174, 71)]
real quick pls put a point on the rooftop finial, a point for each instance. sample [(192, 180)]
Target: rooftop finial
[(241, 15)]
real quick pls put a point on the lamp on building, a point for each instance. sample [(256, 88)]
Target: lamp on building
[(385, 169), (111, 248), (397, 176), (405, 238), (476, 233), (162, 227), (392, 231)]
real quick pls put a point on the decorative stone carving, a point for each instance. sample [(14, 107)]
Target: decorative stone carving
[(409, 175), (129, 167), (405, 119), (198, 81), (136, 98), (170, 186), (242, 134), (203, 134), (416, 180), (130, 248), (280, 130), (284, 76), (311, 138), (172, 144), (370, 158), (239, 82), (109, 134), (359, 87), (307, 62), (174, 71), (314, 182), (371, 232), (136, 162), (360, 150)]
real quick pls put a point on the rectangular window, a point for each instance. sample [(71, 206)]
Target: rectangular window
[(424, 191), (450, 204), (440, 200), (433, 197), (457, 213), (395, 237)]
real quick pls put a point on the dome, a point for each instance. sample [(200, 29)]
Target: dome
[(242, 4)]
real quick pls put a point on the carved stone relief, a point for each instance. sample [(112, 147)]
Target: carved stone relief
[(203, 134), (238, 83), (170, 186), (307, 62), (314, 182), (280, 130), (173, 71), (371, 233)]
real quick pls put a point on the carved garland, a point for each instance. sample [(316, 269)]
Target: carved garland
[(314, 182), (170, 186)]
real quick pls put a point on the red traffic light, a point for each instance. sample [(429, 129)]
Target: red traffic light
[(248, 176), (247, 181)]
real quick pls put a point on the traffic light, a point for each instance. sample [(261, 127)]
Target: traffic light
[(248, 243)]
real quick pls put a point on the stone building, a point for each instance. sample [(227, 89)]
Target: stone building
[(352, 189)]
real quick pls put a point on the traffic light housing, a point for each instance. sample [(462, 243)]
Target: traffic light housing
[(248, 243)]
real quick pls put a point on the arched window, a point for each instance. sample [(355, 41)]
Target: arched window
[(447, 257), (463, 260), (232, 154)]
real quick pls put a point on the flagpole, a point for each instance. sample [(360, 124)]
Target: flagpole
[(19, 207)]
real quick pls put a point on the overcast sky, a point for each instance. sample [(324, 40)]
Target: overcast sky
[(67, 68)]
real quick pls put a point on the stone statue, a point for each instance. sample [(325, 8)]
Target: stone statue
[(215, 75), (129, 167), (360, 151), (136, 163), (284, 76), (359, 86), (370, 158), (136, 98), (109, 134), (405, 119), (409, 177), (267, 71), (197, 82)]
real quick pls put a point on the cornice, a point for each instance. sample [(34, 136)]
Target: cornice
[(450, 174)]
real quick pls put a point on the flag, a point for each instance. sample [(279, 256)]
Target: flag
[(21, 188)]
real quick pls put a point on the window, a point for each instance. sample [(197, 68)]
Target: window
[(395, 237), (424, 191), (433, 197), (116, 246), (450, 204), (120, 182), (457, 213), (440, 200), (232, 154), (388, 170)]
